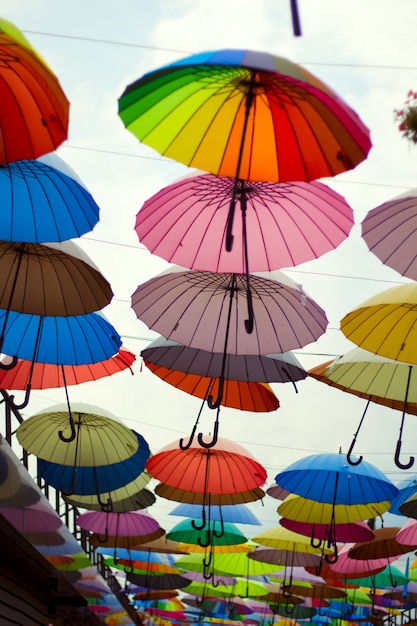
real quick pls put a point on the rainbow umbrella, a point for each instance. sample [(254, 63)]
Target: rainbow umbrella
[(35, 111)]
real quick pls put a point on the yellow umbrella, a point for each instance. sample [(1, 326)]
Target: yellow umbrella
[(298, 508), (130, 491), (280, 538), (243, 588), (386, 324)]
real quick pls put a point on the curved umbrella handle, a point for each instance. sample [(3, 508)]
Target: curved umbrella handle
[(313, 542), (212, 443), (185, 446), (250, 321), (220, 533), (286, 591), (103, 539), (397, 457), (220, 391), (73, 432), (203, 521), (106, 507), (349, 454), (332, 558), (207, 542), (9, 366), (25, 402), (289, 610)]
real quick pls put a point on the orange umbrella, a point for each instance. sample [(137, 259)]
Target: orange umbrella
[(242, 395), (35, 111)]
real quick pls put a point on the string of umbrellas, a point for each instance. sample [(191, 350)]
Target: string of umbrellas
[(228, 317)]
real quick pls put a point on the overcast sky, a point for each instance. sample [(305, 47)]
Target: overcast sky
[(366, 52)]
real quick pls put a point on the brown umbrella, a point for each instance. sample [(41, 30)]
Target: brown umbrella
[(113, 541), (383, 546), (159, 582), (191, 497), (156, 594)]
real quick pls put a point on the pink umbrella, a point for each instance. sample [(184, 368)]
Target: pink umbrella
[(286, 224), (32, 519), (129, 524), (408, 533), (357, 568), (350, 532)]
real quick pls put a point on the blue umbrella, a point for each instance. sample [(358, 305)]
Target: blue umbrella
[(329, 478), (407, 488), (41, 203), (95, 479), (236, 513)]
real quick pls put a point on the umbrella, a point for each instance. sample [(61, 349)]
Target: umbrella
[(374, 377), (409, 507), (286, 318), (86, 435), (124, 541), (384, 545), (54, 279), (35, 110), (243, 588), (160, 582), (329, 479), (193, 497), (389, 231), (281, 538), (357, 568), (402, 504), (241, 565), (236, 513), (214, 534), (40, 203), (155, 594), (95, 479), (407, 535), (241, 395), (282, 224), (32, 519), (278, 368), (350, 532), (246, 114)]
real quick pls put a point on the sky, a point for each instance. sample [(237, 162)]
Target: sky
[(366, 52)]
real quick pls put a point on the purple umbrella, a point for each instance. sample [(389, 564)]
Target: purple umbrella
[(129, 524)]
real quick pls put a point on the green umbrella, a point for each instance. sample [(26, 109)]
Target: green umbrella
[(213, 534), (239, 564), (389, 577)]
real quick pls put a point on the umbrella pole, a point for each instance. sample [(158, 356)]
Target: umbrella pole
[(352, 445), (399, 442), (248, 104), (216, 404), (13, 363), (243, 207), (296, 26), (73, 434)]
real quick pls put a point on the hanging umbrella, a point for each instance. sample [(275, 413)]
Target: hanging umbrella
[(302, 509), (155, 594), (280, 538), (383, 546), (285, 317), (35, 111), (241, 395), (357, 568), (124, 541), (389, 231), (193, 497), (243, 588), (40, 204), (159, 581), (242, 565), (407, 535), (212, 535), (409, 507), (407, 488), (282, 225), (126, 498), (376, 378), (344, 533), (224, 469), (280, 368), (54, 279), (92, 479), (236, 513), (140, 567), (385, 578), (33, 519), (245, 114), (98, 437)]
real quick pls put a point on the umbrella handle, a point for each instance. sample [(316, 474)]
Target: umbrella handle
[(185, 446), (106, 507), (212, 443), (103, 539), (286, 591), (296, 27), (217, 402), (349, 454), (249, 322), (397, 458), (207, 543), (73, 432), (25, 402), (9, 366), (332, 559), (203, 521), (314, 543)]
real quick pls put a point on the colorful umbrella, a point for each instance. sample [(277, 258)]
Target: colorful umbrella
[(384, 545), (279, 368), (159, 581), (282, 224), (40, 203), (35, 111), (213, 534), (355, 568), (127, 541), (99, 437), (219, 499), (344, 533), (126, 498), (182, 305), (33, 519), (389, 231), (243, 588), (280, 538), (241, 565), (95, 479), (241, 395), (407, 535), (130, 524), (245, 114), (236, 513), (407, 488)]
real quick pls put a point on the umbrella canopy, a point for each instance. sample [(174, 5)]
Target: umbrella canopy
[(385, 323), (54, 279), (384, 545), (280, 368), (126, 498), (407, 535), (328, 478), (93, 479), (192, 308), (194, 497), (124, 541), (40, 203), (389, 231), (100, 437), (391, 576), (286, 224), (243, 588), (58, 340), (226, 468), (236, 513), (344, 533), (357, 568), (241, 565), (280, 538), (159, 581), (407, 488), (49, 376), (213, 533), (130, 524), (409, 507), (286, 558), (33, 519), (35, 111), (242, 113), (155, 594), (302, 509), (241, 395)]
